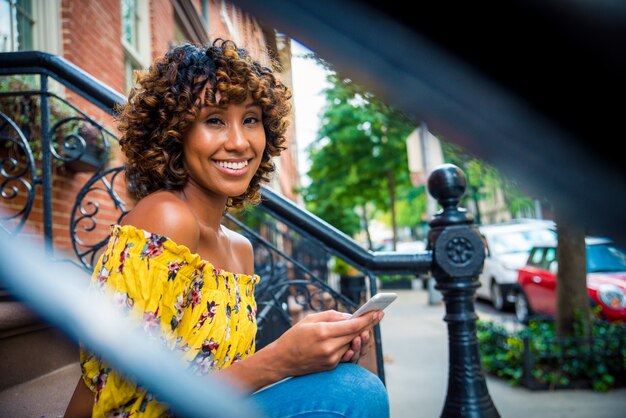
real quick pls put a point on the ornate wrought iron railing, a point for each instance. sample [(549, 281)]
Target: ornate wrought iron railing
[(286, 237)]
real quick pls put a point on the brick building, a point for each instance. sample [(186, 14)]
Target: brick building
[(111, 38)]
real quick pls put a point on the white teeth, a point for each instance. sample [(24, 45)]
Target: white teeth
[(232, 165)]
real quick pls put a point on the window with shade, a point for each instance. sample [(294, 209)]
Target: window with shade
[(16, 25), (135, 37)]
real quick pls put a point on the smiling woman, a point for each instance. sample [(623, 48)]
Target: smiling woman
[(199, 131), (177, 94)]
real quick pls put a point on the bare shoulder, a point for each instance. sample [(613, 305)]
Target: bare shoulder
[(164, 213), (243, 248)]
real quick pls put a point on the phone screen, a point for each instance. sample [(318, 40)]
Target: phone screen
[(377, 302)]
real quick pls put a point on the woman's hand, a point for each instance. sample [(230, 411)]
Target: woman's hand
[(317, 343), (322, 340), (360, 345)]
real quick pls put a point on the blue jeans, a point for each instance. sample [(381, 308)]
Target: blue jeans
[(348, 391)]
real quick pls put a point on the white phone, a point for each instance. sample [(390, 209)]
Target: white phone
[(377, 302)]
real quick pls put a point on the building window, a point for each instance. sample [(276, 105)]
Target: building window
[(180, 35), (231, 22), (189, 25), (130, 22), (16, 25), (135, 37), (205, 12)]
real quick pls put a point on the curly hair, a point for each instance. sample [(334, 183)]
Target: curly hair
[(165, 102)]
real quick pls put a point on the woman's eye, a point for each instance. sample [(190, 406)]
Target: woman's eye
[(251, 119), (213, 121)]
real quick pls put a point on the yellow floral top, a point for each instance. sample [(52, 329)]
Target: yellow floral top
[(206, 314)]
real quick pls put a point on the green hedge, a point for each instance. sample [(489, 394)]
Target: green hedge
[(536, 358)]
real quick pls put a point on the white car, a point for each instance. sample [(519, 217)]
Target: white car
[(507, 246), (405, 246)]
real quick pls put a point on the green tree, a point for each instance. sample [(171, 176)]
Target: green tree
[(410, 209), (483, 180), (359, 158)]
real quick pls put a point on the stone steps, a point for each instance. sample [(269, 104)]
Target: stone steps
[(45, 396), (33, 357)]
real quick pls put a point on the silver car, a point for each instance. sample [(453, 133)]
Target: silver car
[(507, 246)]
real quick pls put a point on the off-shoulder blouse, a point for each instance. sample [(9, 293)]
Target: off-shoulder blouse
[(204, 313)]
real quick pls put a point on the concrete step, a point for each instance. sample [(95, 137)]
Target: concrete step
[(46, 396), (29, 347)]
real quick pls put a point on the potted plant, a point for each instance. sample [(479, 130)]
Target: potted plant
[(351, 280), (78, 143)]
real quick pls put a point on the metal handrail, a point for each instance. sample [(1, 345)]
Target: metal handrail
[(66, 73), (340, 243)]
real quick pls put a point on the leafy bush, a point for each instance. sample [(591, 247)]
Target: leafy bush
[(343, 268), (501, 353), (537, 358)]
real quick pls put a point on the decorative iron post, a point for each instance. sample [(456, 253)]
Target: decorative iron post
[(458, 256)]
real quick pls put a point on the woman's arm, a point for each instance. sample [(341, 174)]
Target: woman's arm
[(317, 343), (81, 403)]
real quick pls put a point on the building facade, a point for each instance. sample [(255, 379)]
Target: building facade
[(110, 39)]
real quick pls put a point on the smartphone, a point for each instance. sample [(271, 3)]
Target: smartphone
[(377, 302)]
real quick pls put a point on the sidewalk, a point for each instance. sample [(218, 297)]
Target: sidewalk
[(415, 344)]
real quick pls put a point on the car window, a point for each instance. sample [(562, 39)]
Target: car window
[(605, 258), (549, 258), (536, 257), (519, 241)]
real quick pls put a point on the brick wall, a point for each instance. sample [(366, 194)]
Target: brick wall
[(91, 37), (161, 26)]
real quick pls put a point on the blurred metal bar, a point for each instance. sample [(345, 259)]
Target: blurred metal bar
[(58, 293), (441, 75)]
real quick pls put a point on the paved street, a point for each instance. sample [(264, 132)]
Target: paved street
[(415, 345)]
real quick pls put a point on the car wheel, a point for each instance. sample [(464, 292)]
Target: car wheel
[(497, 298), (522, 308)]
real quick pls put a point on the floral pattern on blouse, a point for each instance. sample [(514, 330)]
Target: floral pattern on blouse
[(205, 314)]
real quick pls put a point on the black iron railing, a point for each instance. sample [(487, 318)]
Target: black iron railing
[(286, 237)]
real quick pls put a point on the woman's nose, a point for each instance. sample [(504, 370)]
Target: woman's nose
[(236, 140)]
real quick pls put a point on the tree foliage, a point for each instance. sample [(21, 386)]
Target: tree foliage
[(359, 157), (483, 180), (410, 209)]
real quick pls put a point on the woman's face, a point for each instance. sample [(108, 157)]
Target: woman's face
[(224, 148)]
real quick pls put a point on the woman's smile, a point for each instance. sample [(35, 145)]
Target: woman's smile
[(234, 167)]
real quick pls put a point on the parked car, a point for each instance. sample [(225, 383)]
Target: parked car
[(507, 246), (606, 281)]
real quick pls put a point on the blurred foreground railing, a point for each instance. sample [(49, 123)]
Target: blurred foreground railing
[(56, 292)]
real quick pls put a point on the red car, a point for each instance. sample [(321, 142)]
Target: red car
[(606, 281)]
